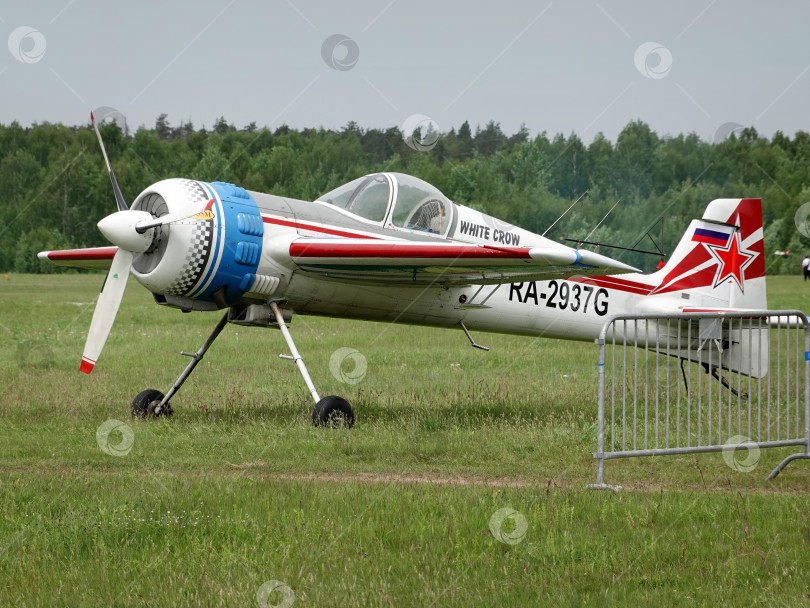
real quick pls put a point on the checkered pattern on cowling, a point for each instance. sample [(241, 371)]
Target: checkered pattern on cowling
[(199, 248), (194, 192)]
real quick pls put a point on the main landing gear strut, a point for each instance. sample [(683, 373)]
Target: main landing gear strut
[(329, 411)]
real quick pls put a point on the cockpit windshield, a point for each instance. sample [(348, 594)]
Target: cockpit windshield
[(418, 205), (367, 197)]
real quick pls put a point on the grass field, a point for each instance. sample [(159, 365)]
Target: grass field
[(238, 489)]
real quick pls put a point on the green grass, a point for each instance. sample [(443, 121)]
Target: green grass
[(238, 488)]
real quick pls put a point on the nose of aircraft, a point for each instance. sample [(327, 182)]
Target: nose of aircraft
[(120, 228)]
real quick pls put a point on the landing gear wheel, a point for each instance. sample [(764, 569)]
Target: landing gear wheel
[(145, 403), (334, 412)]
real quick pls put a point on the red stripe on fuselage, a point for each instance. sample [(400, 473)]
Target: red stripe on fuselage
[(313, 228), (617, 284)]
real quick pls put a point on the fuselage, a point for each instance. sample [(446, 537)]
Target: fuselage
[(572, 309), (244, 255)]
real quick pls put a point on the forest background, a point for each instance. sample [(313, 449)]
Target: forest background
[(54, 184)]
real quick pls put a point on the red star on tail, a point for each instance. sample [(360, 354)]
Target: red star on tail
[(732, 260)]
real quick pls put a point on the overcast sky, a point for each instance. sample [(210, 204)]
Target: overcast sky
[(584, 67)]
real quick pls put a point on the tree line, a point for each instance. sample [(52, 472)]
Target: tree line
[(54, 185)]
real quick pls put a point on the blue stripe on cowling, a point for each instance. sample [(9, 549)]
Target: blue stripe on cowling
[(240, 250), (216, 242)]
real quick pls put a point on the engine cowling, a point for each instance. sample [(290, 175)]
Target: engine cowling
[(205, 262)]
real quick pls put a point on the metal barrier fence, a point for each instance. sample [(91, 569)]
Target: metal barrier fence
[(702, 382)]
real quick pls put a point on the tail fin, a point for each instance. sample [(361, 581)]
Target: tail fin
[(718, 265), (720, 260)]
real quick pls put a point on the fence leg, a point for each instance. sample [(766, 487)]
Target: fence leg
[(600, 426), (806, 454), (786, 462)]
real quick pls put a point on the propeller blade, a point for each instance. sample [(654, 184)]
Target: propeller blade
[(195, 210), (106, 308), (119, 198)]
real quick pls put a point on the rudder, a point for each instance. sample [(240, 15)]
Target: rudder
[(720, 260)]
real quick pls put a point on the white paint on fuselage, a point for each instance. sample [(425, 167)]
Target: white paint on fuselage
[(440, 307)]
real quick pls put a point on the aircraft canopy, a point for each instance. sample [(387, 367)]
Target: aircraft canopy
[(394, 200)]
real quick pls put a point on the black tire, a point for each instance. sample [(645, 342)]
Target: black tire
[(144, 404), (333, 412)]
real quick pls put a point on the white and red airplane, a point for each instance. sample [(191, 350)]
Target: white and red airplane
[(391, 247)]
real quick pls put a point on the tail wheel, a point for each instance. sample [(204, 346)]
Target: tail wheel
[(145, 403), (333, 412)]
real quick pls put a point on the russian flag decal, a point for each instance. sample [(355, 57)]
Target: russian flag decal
[(714, 236)]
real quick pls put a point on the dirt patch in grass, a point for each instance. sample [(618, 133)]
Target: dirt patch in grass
[(260, 470)]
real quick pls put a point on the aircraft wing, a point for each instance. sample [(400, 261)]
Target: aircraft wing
[(383, 261), (387, 261), (93, 257)]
